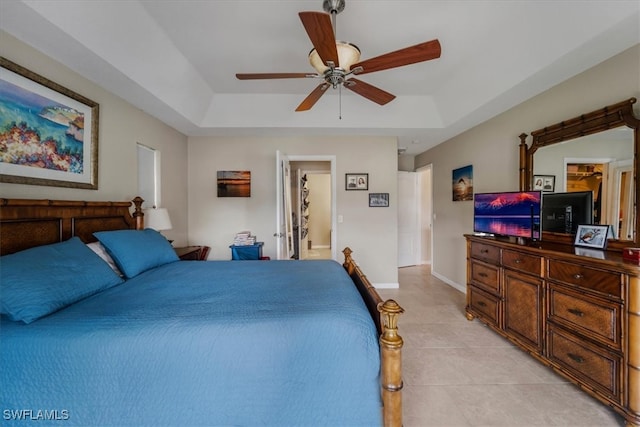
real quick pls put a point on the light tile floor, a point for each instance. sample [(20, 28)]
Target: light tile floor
[(460, 373)]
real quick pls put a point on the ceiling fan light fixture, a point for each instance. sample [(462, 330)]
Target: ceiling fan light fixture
[(348, 54)]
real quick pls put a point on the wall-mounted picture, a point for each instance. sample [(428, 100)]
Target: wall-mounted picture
[(379, 200), (462, 184), (592, 236), (356, 181), (48, 133), (234, 183), (546, 183)]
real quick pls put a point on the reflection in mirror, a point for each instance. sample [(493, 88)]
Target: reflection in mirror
[(601, 163), (598, 150)]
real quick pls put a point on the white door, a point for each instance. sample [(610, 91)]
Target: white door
[(408, 226), (284, 222)]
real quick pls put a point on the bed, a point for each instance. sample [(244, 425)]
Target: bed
[(181, 342)]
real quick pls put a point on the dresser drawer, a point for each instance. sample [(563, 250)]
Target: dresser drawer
[(518, 261), (592, 365), (488, 253), (486, 276), (484, 305), (606, 282), (595, 318)]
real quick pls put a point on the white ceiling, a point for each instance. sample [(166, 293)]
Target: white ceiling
[(177, 59)]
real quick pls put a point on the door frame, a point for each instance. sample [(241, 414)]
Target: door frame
[(428, 168), (334, 216)]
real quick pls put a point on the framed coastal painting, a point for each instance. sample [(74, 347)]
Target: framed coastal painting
[(48, 133), (234, 183), (462, 184)]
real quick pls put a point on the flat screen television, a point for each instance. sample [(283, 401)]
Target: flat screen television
[(513, 213), (563, 212)]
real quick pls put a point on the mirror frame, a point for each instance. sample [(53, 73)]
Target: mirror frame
[(610, 117)]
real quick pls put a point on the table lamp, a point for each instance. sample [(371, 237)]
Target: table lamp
[(157, 219)]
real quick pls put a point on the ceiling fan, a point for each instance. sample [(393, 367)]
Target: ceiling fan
[(337, 61)]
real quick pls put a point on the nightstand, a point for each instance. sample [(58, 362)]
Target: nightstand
[(246, 252), (193, 253)]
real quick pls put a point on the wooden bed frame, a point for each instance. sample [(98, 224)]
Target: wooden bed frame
[(26, 223)]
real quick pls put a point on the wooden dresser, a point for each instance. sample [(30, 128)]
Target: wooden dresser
[(576, 311)]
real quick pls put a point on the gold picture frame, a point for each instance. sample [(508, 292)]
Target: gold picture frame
[(49, 135)]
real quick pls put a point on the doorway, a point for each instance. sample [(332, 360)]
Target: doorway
[(310, 192), (315, 239), (415, 217)]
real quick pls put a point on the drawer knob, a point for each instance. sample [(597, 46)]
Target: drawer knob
[(575, 358), (578, 276), (484, 251), (518, 261), (482, 304), (576, 312), (483, 275)]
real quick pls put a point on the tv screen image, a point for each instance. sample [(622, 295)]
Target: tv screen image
[(513, 213), (563, 212)]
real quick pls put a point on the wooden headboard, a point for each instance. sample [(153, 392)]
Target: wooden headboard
[(25, 223)]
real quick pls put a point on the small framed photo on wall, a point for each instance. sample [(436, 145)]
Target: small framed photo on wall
[(378, 200), (546, 183), (356, 181)]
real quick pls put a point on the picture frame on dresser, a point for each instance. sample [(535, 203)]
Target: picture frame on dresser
[(591, 236), (51, 133)]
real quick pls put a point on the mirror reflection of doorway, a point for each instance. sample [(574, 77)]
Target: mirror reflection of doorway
[(589, 177), (612, 187)]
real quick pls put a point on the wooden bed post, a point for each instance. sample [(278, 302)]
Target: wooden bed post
[(391, 363), (138, 215), (385, 316)]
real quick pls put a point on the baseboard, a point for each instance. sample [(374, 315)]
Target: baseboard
[(320, 246), (451, 283), (386, 285)]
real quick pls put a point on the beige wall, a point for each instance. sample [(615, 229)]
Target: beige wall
[(121, 126), (492, 149), (370, 232)]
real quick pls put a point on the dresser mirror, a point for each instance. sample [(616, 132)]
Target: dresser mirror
[(594, 152)]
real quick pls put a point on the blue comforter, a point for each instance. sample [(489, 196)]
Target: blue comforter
[(286, 343)]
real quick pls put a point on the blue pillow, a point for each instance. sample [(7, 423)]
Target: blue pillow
[(135, 251), (41, 280)]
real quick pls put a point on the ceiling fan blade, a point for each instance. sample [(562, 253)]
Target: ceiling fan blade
[(320, 31), (313, 97), (370, 92), (258, 76), (409, 55)]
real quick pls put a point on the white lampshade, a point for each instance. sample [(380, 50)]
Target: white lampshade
[(157, 218), (348, 54)]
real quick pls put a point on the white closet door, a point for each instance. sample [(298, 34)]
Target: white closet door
[(408, 226)]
